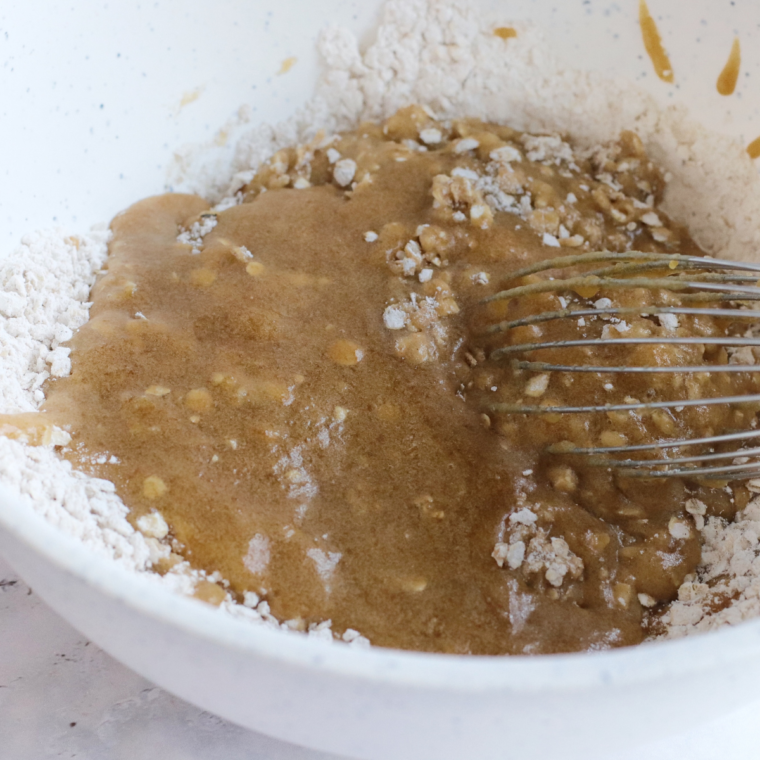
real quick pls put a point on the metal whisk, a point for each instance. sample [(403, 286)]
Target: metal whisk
[(697, 280)]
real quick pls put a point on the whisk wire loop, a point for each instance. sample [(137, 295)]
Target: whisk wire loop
[(727, 288)]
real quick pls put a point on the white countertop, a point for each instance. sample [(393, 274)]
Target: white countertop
[(62, 697)]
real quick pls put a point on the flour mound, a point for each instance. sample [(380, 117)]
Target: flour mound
[(726, 590), (44, 290), (44, 287), (443, 53)]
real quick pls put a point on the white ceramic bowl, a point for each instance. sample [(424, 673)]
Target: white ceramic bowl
[(91, 111)]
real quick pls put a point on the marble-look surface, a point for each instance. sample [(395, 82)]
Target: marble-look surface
[(62, 697)]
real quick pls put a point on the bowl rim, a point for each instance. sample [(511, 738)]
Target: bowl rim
[(629, 666)]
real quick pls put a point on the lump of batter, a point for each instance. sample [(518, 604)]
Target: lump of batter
[(294, 388)]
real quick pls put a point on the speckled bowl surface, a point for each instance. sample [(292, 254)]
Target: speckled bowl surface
[(92, 109)]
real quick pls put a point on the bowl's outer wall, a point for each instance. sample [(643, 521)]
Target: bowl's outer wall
[(370, 718), (91, 111)]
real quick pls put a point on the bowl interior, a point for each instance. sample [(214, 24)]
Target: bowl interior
[(101, 110)]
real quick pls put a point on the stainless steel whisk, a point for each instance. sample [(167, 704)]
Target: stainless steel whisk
[(697, 279)]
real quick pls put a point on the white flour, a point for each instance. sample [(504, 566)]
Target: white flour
[(43, 298), (442, 54)]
